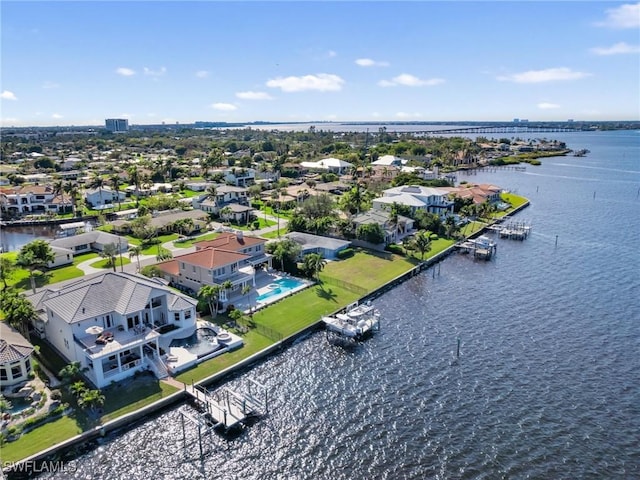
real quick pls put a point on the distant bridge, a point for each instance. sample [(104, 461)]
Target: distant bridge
[(513, 129)]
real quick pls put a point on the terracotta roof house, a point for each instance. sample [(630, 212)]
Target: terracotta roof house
[(230, 257), (15, 357), (114, 324)]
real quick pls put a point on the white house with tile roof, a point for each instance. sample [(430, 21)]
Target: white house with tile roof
[(416, 197), (114, 324), (15, 357)]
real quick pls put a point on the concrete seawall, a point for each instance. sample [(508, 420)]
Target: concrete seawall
[(128, 420)]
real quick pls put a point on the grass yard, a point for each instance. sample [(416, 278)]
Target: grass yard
[(190, 242), (514, 200), (40, 438), (105, 262), (127, 396)]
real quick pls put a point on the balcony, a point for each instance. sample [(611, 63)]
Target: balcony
[(120, 340)]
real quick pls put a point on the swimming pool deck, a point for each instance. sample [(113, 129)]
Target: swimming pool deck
[(249, 303), (179, 358)]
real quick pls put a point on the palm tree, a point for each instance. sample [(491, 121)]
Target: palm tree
[(34, 255), (135, 251), (422, 243), (71, 371), (226, 286), (7, 267), (91, 399), (78, 388), (210, 295), (110, 252), (134, 179), (116, 183), (225, 213), (58, 188), (98, 182), (314, 263)]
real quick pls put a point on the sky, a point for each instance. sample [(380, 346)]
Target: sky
[(77, 63)]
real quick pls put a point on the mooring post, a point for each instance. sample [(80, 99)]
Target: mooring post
[(556, 240), (458, 350)]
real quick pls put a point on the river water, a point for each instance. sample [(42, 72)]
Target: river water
[(547, 385)]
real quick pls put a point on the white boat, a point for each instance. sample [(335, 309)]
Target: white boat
[(356, 322)]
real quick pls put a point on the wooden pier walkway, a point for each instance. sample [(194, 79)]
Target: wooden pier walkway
[(226, 408)]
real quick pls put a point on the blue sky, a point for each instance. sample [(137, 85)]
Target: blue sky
[(77, 63)]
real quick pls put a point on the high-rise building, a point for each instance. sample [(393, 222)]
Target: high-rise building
[(116, 124)]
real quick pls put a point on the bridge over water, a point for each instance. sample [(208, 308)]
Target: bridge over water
[(511, 129)]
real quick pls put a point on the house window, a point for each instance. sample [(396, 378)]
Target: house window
[(16, 371), (194, 267), (27, 364), (66, 343), (156, 302), (187, 314), (176, 316), (3, 374), (182, 265)]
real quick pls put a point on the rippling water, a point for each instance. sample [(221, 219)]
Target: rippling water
[(547, 384)]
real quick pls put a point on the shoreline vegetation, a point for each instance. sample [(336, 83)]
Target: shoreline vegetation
[(340, 283)]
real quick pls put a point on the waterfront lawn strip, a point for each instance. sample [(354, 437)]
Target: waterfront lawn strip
[(305, 308), (39, 439), (514, 200), (128, 396)]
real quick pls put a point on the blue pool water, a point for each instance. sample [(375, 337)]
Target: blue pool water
[(280, 287)]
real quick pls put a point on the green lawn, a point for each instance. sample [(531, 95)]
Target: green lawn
[(305, 308), (274, 234), (104, 263), (127, 396), (39, 439), (514, 200), (189, 243)]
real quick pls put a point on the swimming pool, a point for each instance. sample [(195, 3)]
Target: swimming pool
[(201, 343), (280, 287)]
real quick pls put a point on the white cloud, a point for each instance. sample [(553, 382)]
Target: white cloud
[(408, 115), (548, 75), (224, 107), (547, 106), (617, 49), (625, 16), (321, 82), (332, 54), (9, 122), (155, 73), (254, 95), (57, 116), (408, 80), (202, 74), (47, 84), (7, 95), (125, 72), (367, 62)]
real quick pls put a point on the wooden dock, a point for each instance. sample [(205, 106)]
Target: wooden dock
[(226, 408)]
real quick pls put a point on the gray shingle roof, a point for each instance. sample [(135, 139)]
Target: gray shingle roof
[(13, 346), (118, 292), (95, 236)]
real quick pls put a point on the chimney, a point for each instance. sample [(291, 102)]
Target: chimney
[(239, 235)]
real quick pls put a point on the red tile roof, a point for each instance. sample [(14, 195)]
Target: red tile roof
[(229, 241), (211, 257)]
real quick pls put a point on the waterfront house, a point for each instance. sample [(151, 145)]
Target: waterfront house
[(477, 193), (61, 256), (325, 246), (93, 241), (104, 197), (114, 324), (389, 160), (393, 231), (230, 257), (15, 357), (416, 197), (33, 199)]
